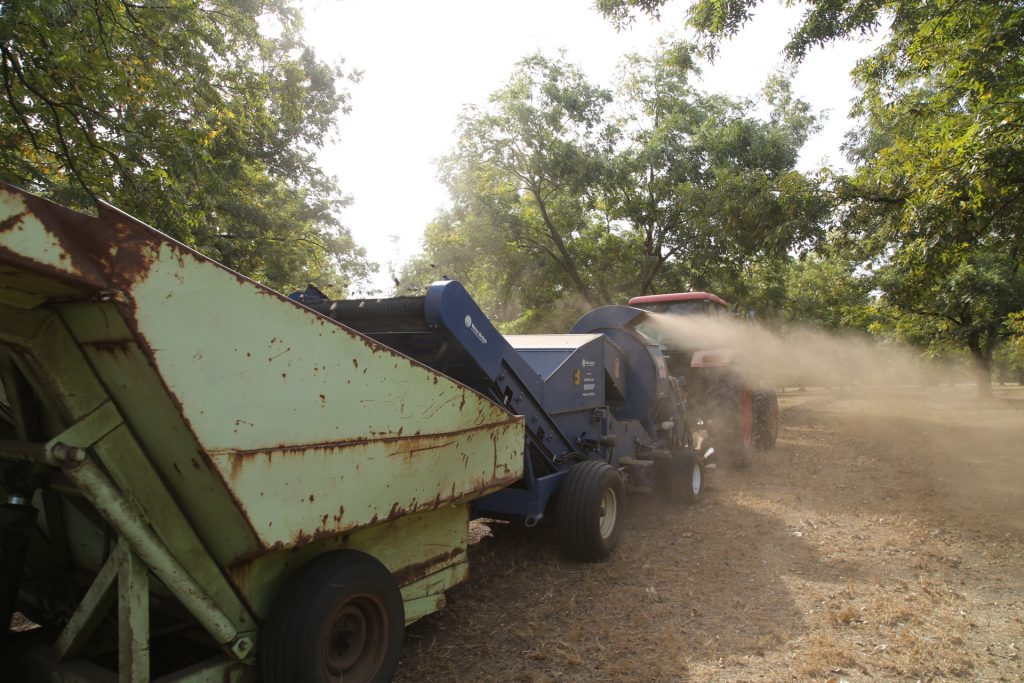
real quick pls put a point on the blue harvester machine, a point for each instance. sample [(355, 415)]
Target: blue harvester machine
[(600, 407)]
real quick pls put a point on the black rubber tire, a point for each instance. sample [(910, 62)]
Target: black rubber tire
[(340, 616), (688, 477), (681, 478), (766, 419), (724, 407), (590, 492)]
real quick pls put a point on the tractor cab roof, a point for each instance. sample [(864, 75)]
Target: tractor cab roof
[(678, 296)]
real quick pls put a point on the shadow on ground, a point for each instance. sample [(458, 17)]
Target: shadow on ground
[(685, 584)]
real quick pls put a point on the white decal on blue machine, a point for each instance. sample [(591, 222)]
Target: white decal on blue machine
[(476, 332), (589, 382)]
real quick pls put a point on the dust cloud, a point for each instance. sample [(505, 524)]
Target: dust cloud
[(800, 356), (890, 395)]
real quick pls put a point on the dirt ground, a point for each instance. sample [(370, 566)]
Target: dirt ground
[(882, 540)]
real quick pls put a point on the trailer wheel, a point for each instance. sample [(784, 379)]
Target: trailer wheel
[(730, 407), (590, 510), (339, 617), (766, 419)]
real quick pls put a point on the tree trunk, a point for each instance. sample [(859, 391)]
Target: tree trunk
[(566, 262), (983, 368)]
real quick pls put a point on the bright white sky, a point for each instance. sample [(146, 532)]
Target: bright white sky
[(423, 61)]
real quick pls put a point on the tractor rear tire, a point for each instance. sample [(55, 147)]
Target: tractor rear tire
[(339, 617), (589, 513), (730, 409), (766, 419)]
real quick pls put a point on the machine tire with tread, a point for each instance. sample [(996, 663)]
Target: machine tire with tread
[(766, 418), (681, 478), (589, 512), (340, 616), (688, 477), (731, 421)]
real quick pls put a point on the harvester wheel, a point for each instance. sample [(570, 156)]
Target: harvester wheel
[(681, 479), (339, 617), (766, 418), (590, 510), (688, 477), (730, 407)]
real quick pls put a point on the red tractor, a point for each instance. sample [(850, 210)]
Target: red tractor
[(739, 418)]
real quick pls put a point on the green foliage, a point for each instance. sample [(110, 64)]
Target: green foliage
[(705, 184), (823, 20), (201, 118), (828, 290), (566, 196), (1010, 355), (940, 168)]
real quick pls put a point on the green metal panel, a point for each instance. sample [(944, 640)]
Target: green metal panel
[(313, 495), (426, 552), (133, 619), (60, 371), (230, 421), (270, 392), (349, 432), (140, 394), (253, 370)]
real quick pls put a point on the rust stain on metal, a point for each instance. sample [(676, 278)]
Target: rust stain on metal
[(299, 449), (83, 276), (418, 570), (303, 538), (494, 479), (112, 347), (240, 570), (335, 526), (12, 222), (409, 452)]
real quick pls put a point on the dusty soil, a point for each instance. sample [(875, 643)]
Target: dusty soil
[(882, 540)]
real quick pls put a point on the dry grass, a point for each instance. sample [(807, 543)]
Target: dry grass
[(883, 540)]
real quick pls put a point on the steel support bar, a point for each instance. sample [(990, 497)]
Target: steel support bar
[(132, 614), (123, 517), (215, 670), (72, 442), (94, 604), (22, 450), (132, 619)]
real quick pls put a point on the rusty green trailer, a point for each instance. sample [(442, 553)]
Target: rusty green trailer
[(191, 464)]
